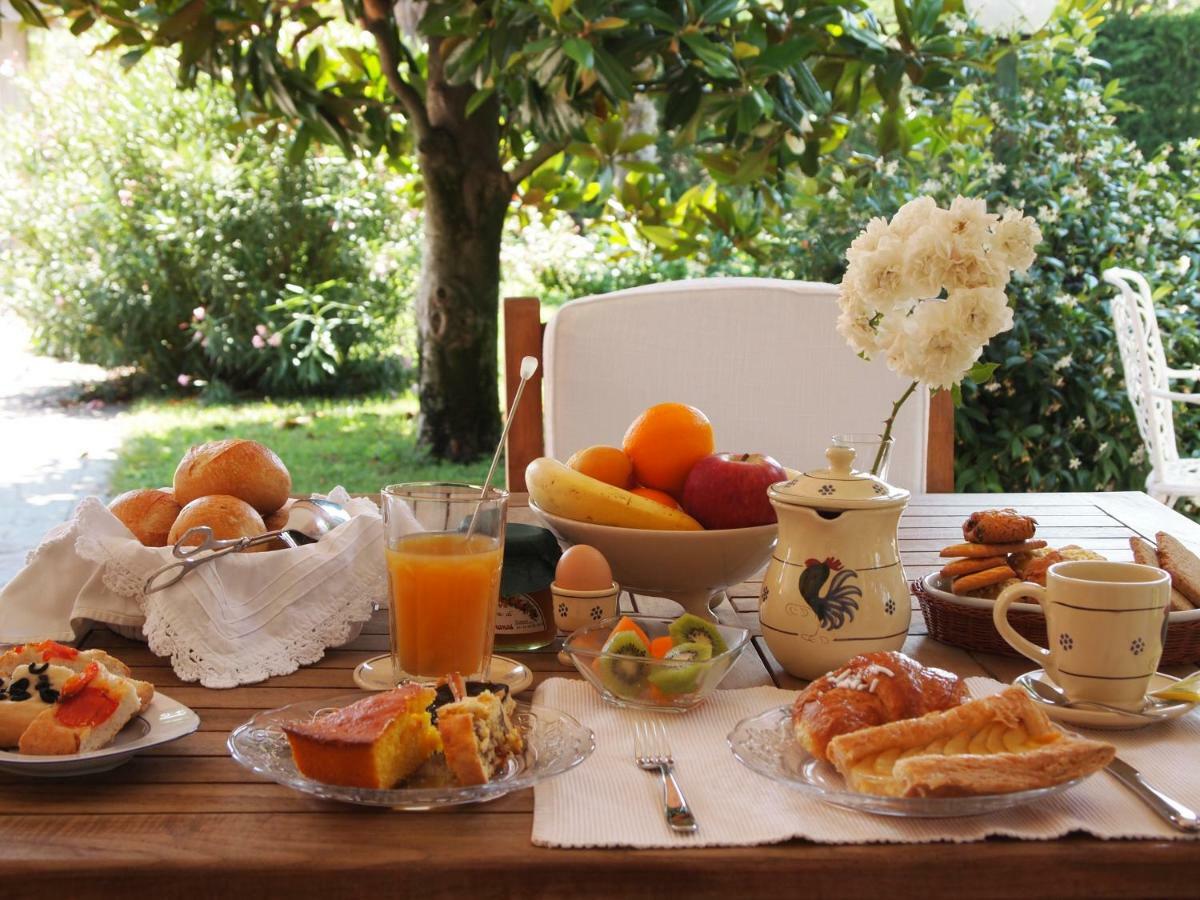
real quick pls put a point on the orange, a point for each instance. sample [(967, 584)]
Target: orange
[(607, 464), (657, 496), (664, 443)]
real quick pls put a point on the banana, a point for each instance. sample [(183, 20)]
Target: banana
[(561, 491)]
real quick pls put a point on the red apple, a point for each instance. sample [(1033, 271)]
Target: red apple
[(729, 490)]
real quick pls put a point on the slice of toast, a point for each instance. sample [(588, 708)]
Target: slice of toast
[(1182, 564), (1145, 553)]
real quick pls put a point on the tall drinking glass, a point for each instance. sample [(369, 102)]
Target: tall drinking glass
[(442, 584)]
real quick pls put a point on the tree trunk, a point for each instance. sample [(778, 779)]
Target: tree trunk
[(467, 194)]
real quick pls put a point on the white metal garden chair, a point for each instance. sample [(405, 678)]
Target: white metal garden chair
[(1148, 382)]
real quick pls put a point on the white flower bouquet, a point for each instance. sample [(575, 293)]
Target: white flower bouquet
[(927, 290)]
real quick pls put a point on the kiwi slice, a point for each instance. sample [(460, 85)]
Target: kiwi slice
[(622, 667), (680, 679), (690, 629)]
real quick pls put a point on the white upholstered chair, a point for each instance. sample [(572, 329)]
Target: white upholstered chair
[(760, 356), (1148, 382)]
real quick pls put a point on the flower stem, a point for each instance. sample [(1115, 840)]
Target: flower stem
[(887, 427)]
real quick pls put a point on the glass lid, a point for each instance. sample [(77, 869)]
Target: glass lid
[(840, 486)]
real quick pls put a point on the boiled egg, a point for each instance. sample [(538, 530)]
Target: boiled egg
[(583, 568)]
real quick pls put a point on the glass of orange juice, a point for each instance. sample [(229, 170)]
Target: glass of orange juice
[(443, 577)]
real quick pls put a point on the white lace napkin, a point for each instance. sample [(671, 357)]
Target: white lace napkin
[(609, 802), (236, 620)]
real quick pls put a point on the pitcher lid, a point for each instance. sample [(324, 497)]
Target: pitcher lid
[(840, 486)]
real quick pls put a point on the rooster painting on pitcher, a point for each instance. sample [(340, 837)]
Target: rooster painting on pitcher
[(834, 587)]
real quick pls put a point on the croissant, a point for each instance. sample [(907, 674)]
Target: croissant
[(870, 689), (996, 745)]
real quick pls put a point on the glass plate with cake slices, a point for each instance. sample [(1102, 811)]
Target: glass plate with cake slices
[(553, 741), (766, 744), (164, 720)]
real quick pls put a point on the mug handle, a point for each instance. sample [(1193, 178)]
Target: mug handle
[(1008, 596)]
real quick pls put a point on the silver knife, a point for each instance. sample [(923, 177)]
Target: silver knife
[(1173, 812)]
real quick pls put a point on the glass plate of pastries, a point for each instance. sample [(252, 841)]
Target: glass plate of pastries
[(885, 735), (416, 747)]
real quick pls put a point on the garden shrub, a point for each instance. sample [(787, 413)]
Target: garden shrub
[(1156, 58), (146, 226)]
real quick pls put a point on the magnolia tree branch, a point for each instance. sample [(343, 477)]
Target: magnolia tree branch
[(530, 164), (388, 42)]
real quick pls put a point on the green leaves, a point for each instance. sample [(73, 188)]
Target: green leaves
[(716, 59), (580, 51), (982, 372), (29, 13)]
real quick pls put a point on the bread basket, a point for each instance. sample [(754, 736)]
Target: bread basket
[(967, 622)]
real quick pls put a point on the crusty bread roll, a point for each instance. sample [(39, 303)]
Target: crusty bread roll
[(243, 469), (228, 517), (278, 519), (148, 513)]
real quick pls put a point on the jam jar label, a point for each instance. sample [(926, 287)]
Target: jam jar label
[(519, 614)]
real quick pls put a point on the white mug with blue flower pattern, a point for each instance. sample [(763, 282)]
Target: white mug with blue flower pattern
[(1105, 623)]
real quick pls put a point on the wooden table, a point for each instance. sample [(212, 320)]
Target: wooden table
[(186, 820)]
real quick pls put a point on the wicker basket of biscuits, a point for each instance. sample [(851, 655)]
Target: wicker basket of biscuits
[(1001, 549)]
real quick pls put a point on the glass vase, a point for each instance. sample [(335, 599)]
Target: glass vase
[(867, 452)]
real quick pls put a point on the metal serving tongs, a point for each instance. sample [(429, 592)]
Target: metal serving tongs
[(308, 521)]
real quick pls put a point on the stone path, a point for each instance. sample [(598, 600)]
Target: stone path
[(51, 453)]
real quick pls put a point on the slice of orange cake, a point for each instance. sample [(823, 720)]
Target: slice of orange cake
[(375, 742)]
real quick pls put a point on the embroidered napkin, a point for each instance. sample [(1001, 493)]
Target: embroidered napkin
[(608, 802), (236, 620)]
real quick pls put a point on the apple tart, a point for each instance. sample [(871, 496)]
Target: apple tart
[(996, 745)]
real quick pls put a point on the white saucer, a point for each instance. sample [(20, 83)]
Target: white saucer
[(164, 720), (1101, 718), (376, 674)]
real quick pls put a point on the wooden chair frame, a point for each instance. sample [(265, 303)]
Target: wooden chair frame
[(524, 333)]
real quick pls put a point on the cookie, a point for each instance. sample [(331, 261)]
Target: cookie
[(977, 580), (1073, 552), (1183, 566), (992, 591), (1033, 566), (1146, 553), (998, 526), (967, 566), (975, 551)]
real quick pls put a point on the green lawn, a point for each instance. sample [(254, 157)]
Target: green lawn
[(361, 443)]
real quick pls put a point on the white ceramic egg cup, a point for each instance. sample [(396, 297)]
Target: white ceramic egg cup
[(575, 609)]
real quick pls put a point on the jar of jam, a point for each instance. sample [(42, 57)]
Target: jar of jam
[(525, 613)]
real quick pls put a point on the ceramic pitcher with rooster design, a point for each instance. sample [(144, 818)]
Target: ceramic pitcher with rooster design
[(834, 587)]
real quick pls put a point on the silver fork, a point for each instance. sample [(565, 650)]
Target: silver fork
[(652, 753)]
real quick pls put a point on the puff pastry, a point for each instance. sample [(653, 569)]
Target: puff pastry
[(870, 689), (996, 745), (93, 706), (75, 660)]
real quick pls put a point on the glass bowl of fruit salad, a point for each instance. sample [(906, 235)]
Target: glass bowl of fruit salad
[(657, 664)]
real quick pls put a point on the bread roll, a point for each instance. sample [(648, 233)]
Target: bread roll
[(243, 469), (278, 519), (148, 513), (228, 517)]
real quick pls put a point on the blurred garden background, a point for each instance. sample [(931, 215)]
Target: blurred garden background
[(237, 276)]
